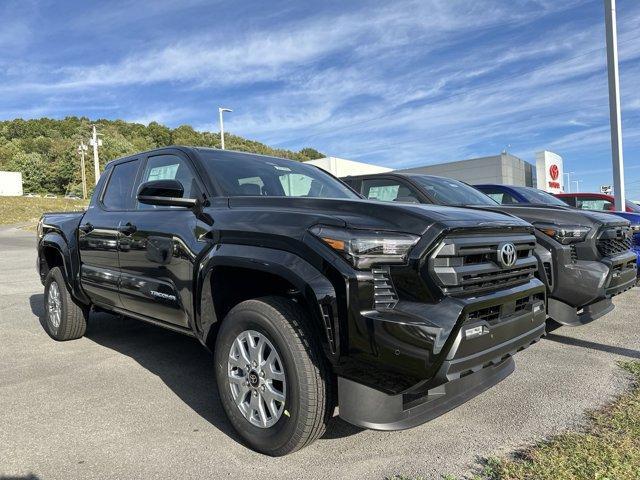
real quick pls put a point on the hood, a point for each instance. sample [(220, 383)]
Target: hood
[(561, 215), (369, 214), (633, 217)]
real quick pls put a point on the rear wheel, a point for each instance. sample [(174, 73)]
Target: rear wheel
[(64, 319), (272, 376)]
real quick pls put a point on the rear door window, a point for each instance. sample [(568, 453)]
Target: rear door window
[(118, 193)]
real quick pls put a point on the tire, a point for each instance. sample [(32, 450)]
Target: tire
[(64, 318), (308, 404)]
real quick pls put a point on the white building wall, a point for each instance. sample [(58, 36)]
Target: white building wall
[(341, 167), (10, 184), (505, 169)]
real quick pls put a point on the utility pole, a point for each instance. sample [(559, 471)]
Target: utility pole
[(95, 142), (614, 104), (577, 182), (220, 111), (568, 174), (82, 149)]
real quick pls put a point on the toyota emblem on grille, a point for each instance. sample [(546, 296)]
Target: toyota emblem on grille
[(507, 255)]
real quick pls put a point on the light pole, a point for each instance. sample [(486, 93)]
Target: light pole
[(568, 174), (614, 103), (220, 110), (82, 149), (577, 182), (95, 142)]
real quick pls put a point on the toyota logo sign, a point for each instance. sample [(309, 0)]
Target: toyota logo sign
[(507, 255), (554, 172)]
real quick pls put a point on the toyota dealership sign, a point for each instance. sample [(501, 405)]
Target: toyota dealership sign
[(549, 172)]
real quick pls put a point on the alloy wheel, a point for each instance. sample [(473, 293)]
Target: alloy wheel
[(54, 305), (257, 378)]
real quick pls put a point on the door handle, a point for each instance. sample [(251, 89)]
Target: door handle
[(127, 229), (86, 228)]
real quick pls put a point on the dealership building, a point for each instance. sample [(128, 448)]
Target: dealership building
[(504, 169)]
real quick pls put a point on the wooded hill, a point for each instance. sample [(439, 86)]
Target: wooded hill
[(46, 150)]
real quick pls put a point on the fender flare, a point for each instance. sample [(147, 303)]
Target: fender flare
[(70, 266), (314, 287)]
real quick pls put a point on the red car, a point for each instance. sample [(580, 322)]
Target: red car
[(595, 201)]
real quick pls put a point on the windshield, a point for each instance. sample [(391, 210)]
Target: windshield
[(241, 175), (446, 191), (533, 195)]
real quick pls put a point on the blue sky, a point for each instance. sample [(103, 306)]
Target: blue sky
[(400, 83)]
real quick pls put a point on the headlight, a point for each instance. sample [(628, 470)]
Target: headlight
[(564, 234), (364, 248), (635, 228)]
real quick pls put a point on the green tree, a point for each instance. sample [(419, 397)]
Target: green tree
[(33, 168), (45, 149), (310, 153)]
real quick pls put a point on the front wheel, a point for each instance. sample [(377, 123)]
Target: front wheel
[(64, 318), (272, 377)]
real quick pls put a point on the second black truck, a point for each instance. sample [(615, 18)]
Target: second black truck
[(584, 258)]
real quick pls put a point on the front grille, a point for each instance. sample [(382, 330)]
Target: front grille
[(470, 264), (488, 314), (384, 295), (614, 241), (624, 266), (502, 312), (522, 303)]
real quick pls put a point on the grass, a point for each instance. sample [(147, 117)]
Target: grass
[(28, 210), (607, 448)]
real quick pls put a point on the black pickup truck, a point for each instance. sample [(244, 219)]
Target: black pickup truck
[(308, 295), (584, 258)]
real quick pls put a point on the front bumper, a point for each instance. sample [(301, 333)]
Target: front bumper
[(428, 368), (622, 275), (580, 291), (573, 317), (369, 408)]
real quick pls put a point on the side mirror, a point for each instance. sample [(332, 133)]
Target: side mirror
[(166, 193)]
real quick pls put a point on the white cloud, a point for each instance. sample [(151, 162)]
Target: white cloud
[(403, 83)]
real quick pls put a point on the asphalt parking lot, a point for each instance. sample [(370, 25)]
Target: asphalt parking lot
[(134, 401)]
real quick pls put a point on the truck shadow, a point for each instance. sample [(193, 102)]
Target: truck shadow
[(181, 362), (625, 352), (29, 476)]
